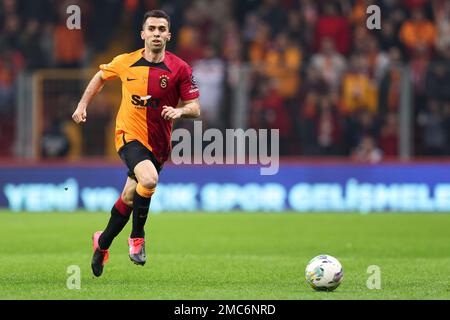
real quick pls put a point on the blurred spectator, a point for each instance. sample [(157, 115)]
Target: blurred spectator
[(312, 82), (189, 45), (250, 30), (358, 13), (47, 44), (9, 38), (377, 60), (395, 12), (333, 26), (437, 80), (388, 140), (359, 124), (259, 46), (367, 151), (9, 7), (389, 88), (418, 31), (11, 64), (231, 42), (328, 126), (97, 127), (295, 26), (210, 74), (433, 128), (359, 91), (441, 10), (329, 62), (31, 45), (273, 14), (282, 63), (271, 114), (418, 69), (54, 143), (309, 14), (360, 37), (306, 124), (389, 37)]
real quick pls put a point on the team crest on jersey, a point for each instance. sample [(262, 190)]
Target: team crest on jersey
[(164, 81)]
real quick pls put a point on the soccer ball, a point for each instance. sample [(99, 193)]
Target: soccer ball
[(324, 273)]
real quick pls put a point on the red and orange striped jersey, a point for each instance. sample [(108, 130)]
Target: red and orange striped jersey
[(146, 88)]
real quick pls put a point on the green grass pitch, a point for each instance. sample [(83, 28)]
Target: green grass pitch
[(227, 256)]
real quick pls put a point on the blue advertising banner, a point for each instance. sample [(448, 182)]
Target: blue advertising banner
[(296, 187)]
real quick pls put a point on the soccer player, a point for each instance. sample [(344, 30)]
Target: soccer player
[(157, 88)]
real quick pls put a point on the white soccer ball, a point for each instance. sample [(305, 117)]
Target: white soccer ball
[(324, 273)]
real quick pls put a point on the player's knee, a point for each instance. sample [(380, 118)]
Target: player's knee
[(149, 182)]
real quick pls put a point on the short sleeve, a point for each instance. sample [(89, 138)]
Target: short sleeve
[(188, 85), (112, 69)]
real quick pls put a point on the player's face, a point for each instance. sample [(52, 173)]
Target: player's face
[(155, 33)]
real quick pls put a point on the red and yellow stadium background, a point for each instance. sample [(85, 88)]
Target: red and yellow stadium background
[(364, 115)]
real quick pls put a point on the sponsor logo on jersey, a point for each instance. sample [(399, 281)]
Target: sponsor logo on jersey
[(145, 101)]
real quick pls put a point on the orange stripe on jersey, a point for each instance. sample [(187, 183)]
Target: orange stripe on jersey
[(146, 88)]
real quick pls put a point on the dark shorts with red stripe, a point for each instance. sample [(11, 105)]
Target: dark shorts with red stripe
[(134, 152)]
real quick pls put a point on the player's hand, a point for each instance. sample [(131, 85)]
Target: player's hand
[(170, 113), (80, 114)]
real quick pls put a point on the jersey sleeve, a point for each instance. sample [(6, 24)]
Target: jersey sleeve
[(188, 86), (112, 69)]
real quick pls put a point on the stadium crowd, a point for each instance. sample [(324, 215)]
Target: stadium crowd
[(331, 85)]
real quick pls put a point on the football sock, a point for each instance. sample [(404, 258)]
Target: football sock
[(120, 214), (141, 204)]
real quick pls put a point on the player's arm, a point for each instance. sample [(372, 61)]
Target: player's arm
[(187, 109), (94, 87)]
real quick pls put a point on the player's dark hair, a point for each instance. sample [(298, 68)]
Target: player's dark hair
[(156, 14)]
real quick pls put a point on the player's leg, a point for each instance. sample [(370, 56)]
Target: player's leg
[(147, 177), (144, 168), (120, 214)]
